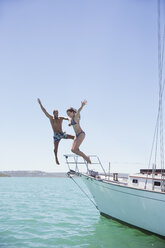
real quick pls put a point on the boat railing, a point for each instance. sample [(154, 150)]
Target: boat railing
[(74, 163)]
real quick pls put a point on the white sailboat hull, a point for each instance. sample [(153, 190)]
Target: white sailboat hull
[(141, 208)]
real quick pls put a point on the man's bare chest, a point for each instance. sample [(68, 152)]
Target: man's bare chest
[(56, 123)]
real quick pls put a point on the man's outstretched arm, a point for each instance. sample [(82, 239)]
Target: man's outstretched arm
[(44, 110), (64, 118)]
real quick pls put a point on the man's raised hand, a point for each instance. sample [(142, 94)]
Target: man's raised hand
[(39, 101)]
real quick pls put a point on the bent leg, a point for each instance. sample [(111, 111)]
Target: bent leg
[(78, 152), (69, 136), (74, 143), (75, 148), (56, 144)]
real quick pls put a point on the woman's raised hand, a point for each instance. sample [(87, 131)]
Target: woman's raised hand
[(83, 103)]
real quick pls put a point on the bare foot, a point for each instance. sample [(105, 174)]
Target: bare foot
[(88, 161), (57, 162)]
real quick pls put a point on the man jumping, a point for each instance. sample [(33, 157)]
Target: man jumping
[(56, 123)]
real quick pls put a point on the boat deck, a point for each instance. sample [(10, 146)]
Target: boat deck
[(95, 170)]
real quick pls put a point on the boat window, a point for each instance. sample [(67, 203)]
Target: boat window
[(134, 181), (156, 183)]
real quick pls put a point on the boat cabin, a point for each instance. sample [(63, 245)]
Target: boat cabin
[(148, 179)]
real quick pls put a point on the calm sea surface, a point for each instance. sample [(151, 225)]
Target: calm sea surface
[(52, 212)]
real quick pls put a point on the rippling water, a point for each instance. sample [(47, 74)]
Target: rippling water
[(52, 212)]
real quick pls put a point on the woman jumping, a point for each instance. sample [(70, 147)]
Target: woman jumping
[(80, 134)]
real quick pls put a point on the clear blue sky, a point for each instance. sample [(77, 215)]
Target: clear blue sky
[(64, 51)]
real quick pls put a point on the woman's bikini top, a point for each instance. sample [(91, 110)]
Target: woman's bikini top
[(73, 122)]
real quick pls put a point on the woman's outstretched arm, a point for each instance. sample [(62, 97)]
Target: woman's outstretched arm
[(83, 103)]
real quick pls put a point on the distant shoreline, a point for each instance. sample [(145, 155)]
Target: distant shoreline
[(31, 174), (42, 174)]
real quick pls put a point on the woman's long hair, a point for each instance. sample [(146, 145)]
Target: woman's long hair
[(72, 110)]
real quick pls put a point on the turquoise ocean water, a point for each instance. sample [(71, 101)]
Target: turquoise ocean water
[(52, 212)]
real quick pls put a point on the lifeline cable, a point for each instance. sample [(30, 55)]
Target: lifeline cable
[(83, 191)]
